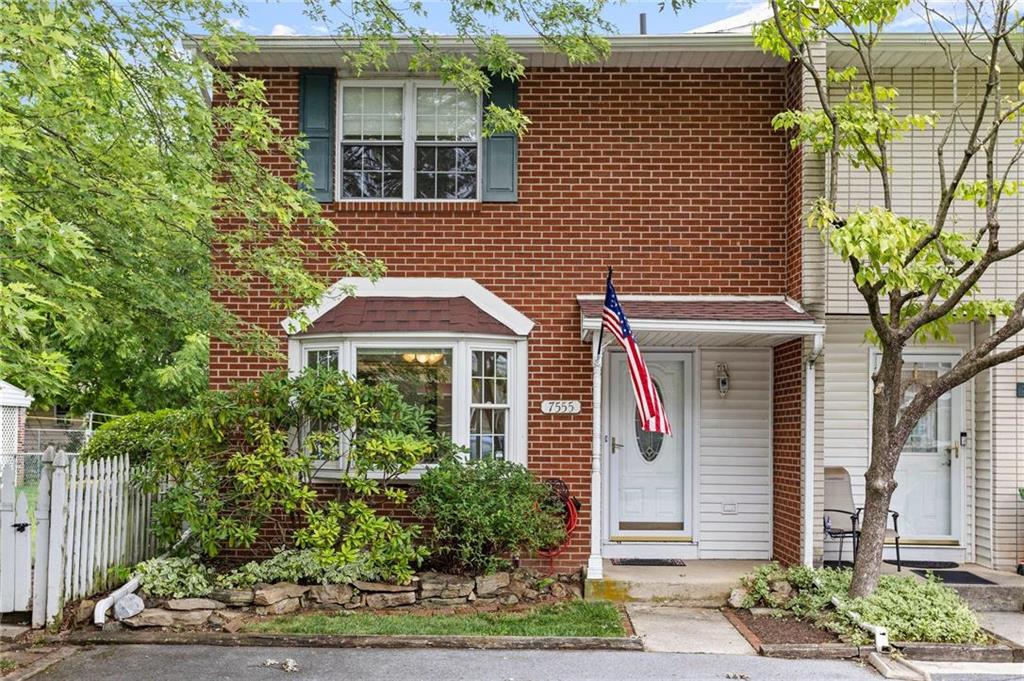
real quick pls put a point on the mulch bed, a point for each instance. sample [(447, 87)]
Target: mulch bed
[(772, 629)]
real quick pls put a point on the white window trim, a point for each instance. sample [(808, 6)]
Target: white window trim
[(409, 87), (461, 346)]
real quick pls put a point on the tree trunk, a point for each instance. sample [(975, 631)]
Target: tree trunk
[(879, 478), (877, 494)]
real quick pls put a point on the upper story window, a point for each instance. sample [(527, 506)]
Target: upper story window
[(408, 140)]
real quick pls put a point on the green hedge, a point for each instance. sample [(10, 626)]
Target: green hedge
[(137, 435)]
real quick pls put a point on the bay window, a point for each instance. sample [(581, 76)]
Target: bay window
[(473, 392), (408, 140), (423, 376)]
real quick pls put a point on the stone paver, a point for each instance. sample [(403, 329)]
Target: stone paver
[(675, 629)]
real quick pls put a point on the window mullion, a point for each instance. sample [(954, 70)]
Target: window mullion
[(461, 397), (409, 142)]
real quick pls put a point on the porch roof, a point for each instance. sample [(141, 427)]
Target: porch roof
[(702, 320)]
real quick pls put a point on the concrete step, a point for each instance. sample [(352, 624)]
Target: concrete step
[(700, 583), (992, 597), (693, 595)]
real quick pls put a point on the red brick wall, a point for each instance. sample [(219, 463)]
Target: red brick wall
[(795, 187), (787, 433), (673, 177)]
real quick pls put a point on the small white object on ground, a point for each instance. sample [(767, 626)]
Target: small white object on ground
[(127, 606), (285, 665)]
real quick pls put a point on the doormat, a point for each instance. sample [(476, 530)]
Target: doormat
[(956, 576), (927, 564), (835, 564), (649, 562)]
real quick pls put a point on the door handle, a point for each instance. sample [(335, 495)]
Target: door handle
[(616, 445), (954, 450)]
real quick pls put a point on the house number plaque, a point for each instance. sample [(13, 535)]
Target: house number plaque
[(560, 406)]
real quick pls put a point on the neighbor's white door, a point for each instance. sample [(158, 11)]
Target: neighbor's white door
[(929, 474), (647, 471)]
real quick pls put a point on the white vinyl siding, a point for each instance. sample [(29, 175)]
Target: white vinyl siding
[(916, 179), (847, 404), (1008, 460), (983, 472), (735, 455)]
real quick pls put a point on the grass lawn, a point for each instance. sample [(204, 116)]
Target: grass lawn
[(574, 618)]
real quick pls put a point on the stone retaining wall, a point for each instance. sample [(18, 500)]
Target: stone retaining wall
[(225, 609)]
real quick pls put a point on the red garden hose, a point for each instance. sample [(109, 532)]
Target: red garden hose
[(572, 518)]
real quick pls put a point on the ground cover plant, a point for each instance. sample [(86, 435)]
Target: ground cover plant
[(910, 609), (573, 618)]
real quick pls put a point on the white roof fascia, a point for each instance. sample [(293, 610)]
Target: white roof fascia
[(767, 328)]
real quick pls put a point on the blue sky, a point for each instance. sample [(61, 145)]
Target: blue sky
[(286, 18)]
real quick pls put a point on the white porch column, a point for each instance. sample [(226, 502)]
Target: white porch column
[(808, 465), (595, 566)]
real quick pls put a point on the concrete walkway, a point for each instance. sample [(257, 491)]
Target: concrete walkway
[(675, 629), (1009, 625), (968, 671), (206, 663)]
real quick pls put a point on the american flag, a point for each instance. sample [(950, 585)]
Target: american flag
[(652, 412)]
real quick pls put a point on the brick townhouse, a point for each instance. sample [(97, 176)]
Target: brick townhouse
[(660, 163)]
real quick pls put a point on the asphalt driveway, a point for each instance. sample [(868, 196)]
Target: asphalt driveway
[(208, 663)]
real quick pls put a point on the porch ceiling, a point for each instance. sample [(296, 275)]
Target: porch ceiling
[(681, 321)]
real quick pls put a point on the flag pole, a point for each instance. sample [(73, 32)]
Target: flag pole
[(600, 338), (595, 561)]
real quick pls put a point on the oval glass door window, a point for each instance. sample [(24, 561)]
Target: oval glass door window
[(649, 443)]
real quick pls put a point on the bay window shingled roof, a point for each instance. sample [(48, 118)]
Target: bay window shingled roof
[(408, 314)]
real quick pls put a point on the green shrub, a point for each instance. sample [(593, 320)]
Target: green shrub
[(183, 577), (235, 464), (293, 565), (137, 435), (909, 608), (485, 511)]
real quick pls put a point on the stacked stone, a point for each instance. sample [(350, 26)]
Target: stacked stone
[(225, 608)]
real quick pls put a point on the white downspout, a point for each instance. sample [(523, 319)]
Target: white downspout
[(808, 467), (595, 566)]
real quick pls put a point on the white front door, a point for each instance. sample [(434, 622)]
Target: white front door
[(930, 470), (648, 472)]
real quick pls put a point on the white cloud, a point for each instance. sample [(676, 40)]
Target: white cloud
[(282, 29)]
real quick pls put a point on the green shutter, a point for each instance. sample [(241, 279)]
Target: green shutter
[(500, 151), (316, 122)]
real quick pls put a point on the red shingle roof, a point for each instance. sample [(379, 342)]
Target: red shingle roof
[(703, 310), (382, 313)]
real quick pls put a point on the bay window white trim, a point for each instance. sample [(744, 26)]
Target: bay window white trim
[(462, 347)]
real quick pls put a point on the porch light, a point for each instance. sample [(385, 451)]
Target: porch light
[(722, 371)]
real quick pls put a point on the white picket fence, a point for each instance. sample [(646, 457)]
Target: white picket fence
[(90, 517), (15, 544)]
